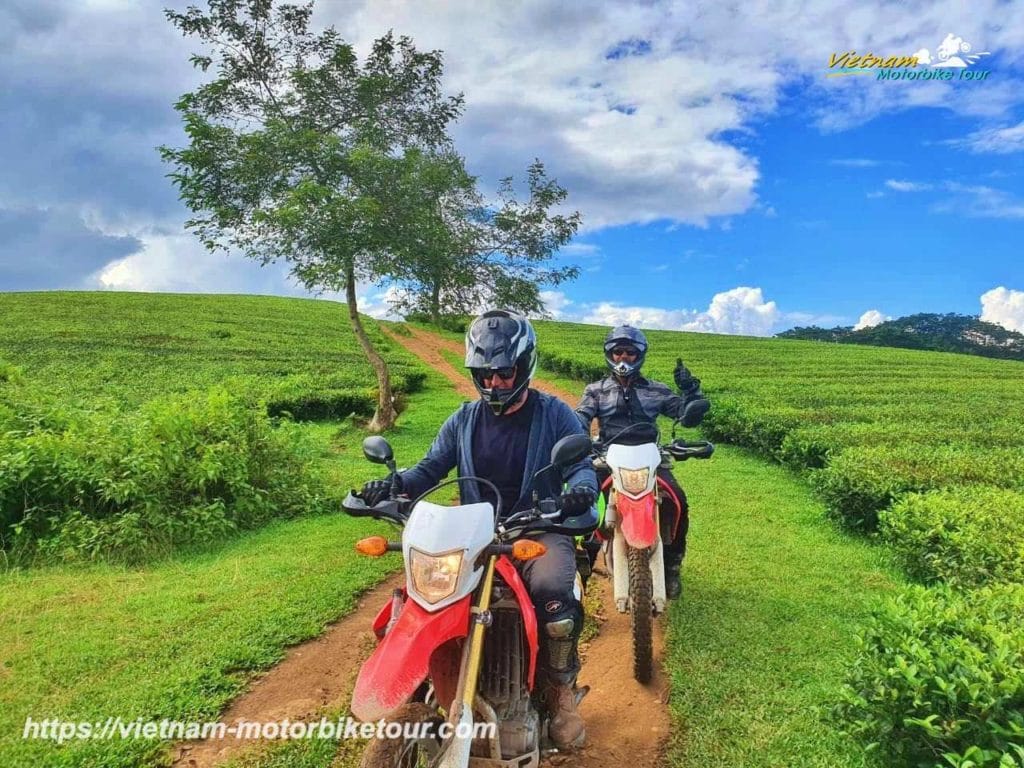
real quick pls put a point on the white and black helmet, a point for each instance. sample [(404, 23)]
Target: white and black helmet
[(499, 340), (625, 336)]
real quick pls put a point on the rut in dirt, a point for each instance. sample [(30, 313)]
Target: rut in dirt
[(627, 723)]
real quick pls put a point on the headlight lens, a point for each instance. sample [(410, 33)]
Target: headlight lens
[(434, 577), (635, 480)]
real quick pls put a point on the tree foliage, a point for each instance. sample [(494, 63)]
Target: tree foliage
[(298, 151), (471, 252), (950, 332)]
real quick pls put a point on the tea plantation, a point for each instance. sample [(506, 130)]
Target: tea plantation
[(922, 450)]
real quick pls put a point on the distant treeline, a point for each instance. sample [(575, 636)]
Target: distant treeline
[(951, 332)]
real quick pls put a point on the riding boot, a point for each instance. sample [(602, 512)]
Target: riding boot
[(673, 582), (566, 728)]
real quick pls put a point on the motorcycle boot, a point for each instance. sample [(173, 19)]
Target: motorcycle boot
[(673, 579), (566, 727)]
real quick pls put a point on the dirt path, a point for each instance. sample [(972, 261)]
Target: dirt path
[(627, 723)]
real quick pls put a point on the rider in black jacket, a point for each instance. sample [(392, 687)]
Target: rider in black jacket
[(625, 397)]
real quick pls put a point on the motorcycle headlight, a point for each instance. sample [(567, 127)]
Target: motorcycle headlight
[(434, 576), (634, 480)]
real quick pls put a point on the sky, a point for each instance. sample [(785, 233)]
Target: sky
[(730, 179)]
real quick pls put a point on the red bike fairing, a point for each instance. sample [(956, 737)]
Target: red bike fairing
[(638, 517), (400, 661), (511, 576)]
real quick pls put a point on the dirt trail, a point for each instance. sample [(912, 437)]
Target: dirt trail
[(627, 723)]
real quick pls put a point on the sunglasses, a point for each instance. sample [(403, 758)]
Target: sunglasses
[(624, 351), (501, 373)]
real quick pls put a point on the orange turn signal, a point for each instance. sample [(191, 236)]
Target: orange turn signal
[(527, 549), (375, 546)]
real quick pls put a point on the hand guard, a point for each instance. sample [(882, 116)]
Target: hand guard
[(576, 501)]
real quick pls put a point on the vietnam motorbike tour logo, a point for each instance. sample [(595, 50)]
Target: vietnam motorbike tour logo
[(953, 60)]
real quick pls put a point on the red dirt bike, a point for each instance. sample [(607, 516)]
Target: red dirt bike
[(635, 526), (458, 645)]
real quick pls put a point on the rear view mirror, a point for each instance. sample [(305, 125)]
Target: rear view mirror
[(570, 449), (694, 412), (377, 450)]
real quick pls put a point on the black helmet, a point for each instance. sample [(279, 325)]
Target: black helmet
[(625, 336), (501, 339)]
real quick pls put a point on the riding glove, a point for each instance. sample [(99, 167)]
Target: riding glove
[(577, 501)]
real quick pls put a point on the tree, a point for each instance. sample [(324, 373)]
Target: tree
[(467, 253), (296, 148)]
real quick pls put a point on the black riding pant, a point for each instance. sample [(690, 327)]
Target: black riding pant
[(551, 581)]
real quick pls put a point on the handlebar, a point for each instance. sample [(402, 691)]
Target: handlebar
[(545, 515), (680, 450)]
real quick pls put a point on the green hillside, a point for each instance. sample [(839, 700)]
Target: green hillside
[(101, 394), (922, 450), (130, 347), (965, 334)]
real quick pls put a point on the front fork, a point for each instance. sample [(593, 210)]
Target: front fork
[(460, 714), (620, 559)]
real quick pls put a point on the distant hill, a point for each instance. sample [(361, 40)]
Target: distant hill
[(965, 334)]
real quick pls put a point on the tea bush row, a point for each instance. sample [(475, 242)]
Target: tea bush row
[(88, 484), (967, 536), (939, 679)]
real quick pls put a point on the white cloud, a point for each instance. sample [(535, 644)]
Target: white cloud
[(980, 201), (999, 141), (1005, 307), (907, 186), (555, 302), (375, 302), (870, 319), (740, 311), (643, 137), (179, 263), (580, 250)]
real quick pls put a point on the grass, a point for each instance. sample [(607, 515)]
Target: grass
[(131, 347), (181, 637), (757, 648), (773, 598), (774, 594), (178, 639)]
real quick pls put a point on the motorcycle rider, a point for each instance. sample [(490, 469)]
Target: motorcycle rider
[(625, 397), (506, 436)]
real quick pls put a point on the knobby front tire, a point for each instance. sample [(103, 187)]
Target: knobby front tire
[(641, 599), (402, 753)]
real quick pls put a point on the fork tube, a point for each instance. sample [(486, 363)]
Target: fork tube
[(476, 641)]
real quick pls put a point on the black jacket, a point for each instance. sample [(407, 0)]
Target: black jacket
[(616, 407)]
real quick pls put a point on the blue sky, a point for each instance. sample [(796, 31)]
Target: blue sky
[(726, 183)]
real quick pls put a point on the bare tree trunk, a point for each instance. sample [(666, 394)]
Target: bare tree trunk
[(435, 303), (385, 415)]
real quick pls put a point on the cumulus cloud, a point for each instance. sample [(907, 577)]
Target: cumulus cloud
[(870, 319), (45, 249), (635, 107), (179, 263), (1005, 307), (556, 303), (740, 311)]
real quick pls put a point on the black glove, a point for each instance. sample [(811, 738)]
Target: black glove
[(683, 378), (376, 491), (576, 501)]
